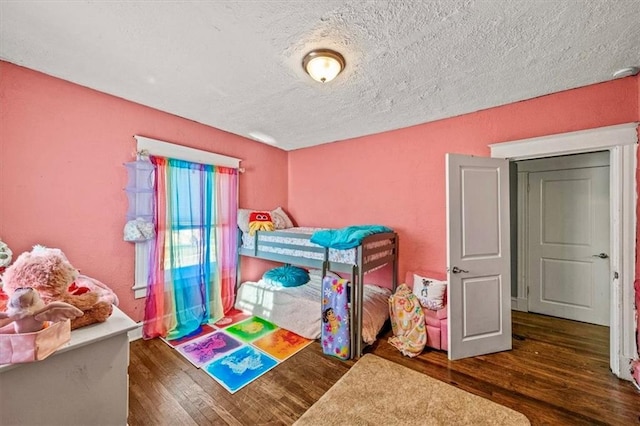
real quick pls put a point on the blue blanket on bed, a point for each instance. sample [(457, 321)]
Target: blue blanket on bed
[(346, 238)]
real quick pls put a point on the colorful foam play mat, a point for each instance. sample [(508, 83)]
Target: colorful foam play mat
[(238, 349)]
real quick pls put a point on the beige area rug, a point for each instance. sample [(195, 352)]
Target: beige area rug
[(380, 392)]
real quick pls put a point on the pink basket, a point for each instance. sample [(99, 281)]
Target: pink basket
[(29, 347)]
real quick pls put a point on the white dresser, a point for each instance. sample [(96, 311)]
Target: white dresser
[(83, 383)]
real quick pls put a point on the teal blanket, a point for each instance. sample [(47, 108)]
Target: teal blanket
[(346, 238)]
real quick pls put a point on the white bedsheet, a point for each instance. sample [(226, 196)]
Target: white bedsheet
[(298, 308)]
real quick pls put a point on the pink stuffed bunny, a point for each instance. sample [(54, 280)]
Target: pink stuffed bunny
[(28, 312)]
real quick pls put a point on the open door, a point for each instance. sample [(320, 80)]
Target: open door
[(479, 299)]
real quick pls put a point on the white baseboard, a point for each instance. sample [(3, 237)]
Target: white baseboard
[(519, 304), (625, 369)]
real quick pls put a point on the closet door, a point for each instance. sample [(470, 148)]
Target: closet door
[(569, 244)]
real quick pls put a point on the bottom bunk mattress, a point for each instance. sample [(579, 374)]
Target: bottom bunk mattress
[(298, 309)]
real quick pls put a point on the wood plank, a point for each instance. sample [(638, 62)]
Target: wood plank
[(557, 373)]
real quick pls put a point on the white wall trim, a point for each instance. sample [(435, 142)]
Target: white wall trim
[(628, 203), (621, 141), (519, 304), (141, 269), (599, 139), (522, 301)]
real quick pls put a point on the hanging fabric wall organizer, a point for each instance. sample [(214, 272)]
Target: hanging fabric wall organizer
[(139, 226)]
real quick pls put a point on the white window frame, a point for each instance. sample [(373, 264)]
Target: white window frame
[(149, 146)]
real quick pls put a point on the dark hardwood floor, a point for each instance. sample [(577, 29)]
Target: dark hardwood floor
[(557, 374)]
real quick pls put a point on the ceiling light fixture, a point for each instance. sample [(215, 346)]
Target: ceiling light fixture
[(323, 65), (626, 72)]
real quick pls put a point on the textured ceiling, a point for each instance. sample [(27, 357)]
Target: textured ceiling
[(236, 65)]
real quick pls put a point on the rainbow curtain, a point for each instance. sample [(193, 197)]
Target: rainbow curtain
[(193, 258)]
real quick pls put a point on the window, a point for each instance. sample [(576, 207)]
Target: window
[(185, 235)]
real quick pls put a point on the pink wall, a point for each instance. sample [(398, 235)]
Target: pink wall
[(397, 178), (61, 176)]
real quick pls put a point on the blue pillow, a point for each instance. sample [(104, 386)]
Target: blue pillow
[(286, 276)]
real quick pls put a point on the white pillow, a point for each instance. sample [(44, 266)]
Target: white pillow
[(280, 219), (243, 219), (429, 291)]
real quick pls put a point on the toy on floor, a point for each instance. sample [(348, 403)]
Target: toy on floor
[(48, 271), (28, 312)]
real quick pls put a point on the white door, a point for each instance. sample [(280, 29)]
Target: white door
[(479, 299), (569, 244)]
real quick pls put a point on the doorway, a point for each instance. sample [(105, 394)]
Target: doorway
[(565, 218), (621, 143)]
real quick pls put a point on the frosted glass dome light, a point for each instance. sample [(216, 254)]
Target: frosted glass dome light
[(323, 65)]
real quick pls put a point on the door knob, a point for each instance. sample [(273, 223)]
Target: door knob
[(601, 255), (457, 270)]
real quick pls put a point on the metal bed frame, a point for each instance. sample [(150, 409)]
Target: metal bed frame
[(356, 270)]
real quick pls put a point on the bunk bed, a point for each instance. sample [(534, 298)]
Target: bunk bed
[(293, 246)]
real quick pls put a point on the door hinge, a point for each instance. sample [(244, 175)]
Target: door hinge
[(527, 291), (616, 275)]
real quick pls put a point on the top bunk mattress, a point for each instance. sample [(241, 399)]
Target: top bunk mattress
[(299, 236)]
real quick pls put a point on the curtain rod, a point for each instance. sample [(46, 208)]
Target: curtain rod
[(145, 153), (146, 145)]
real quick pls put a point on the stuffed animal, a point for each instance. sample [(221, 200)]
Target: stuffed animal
[(5, 260), (5, 256), (260, 221), (3, 299), (28, 312), (48, 271)]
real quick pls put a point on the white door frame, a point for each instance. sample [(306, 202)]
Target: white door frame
[(621, 142)]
